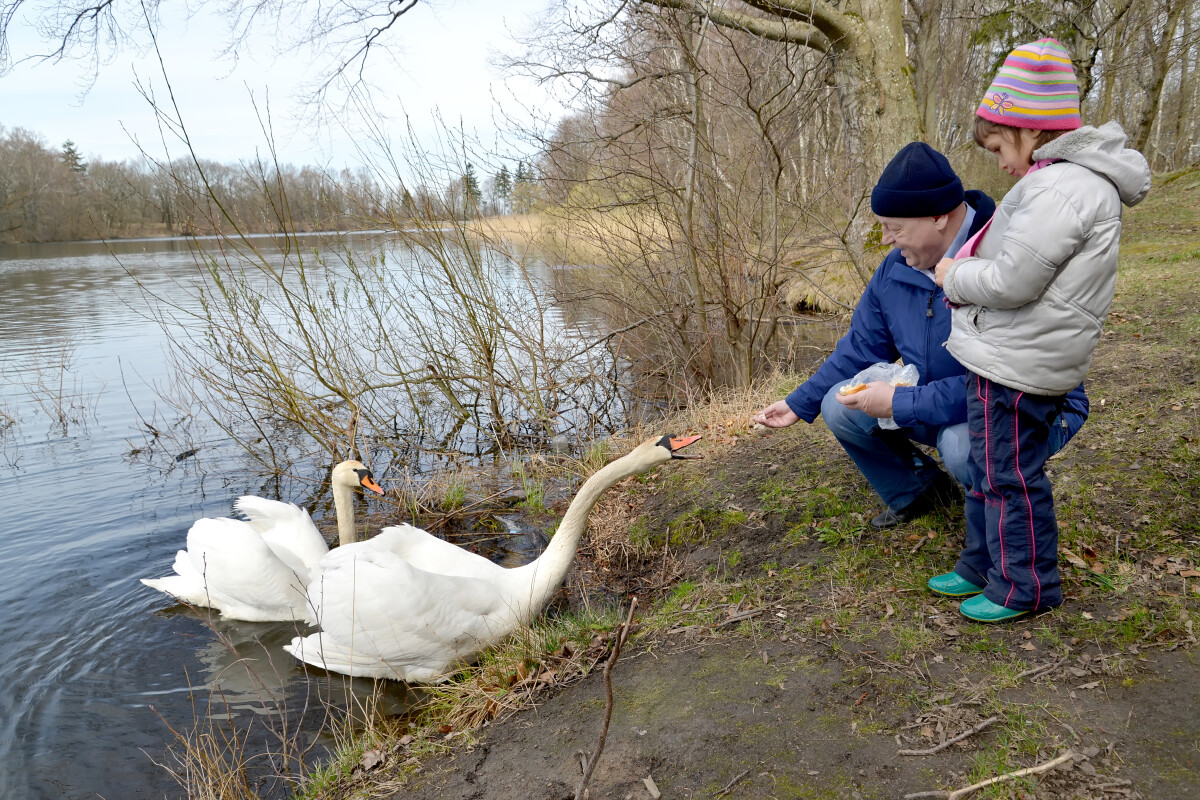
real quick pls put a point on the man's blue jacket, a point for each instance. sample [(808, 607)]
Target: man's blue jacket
[(902, 314)]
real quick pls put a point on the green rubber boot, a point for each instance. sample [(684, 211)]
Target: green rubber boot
[(952, 585), (980, 609)]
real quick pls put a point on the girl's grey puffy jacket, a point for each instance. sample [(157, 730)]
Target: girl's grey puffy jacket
[(1040, 285)]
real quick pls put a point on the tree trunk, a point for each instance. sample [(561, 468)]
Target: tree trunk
[(926, 66), (865, 40), (1160, 64), (698, 149), (1182, 152)]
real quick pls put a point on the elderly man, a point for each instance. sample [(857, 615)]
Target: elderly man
[(925, 215)]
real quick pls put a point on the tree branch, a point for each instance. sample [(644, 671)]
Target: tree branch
[(818, 13), (793, 31)]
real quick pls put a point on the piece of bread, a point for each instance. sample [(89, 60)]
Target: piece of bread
[(852, 388)]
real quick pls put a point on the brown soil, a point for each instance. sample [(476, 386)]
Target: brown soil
[(811, 711), (842, 668), (698, 719)]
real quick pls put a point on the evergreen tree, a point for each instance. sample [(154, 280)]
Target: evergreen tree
[(502, 183), (524, 191), (71, 157), (471, 193)]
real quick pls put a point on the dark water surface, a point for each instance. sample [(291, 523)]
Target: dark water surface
[(94, 666)]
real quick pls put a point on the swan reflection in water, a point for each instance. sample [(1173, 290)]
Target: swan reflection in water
[(244, 668)]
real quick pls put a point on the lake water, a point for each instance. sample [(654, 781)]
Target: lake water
[(97, 668)]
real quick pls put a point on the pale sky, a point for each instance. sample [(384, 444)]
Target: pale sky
[(442, 50)]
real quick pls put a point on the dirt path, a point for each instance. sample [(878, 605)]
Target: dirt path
[(847, 659), (700, 719)]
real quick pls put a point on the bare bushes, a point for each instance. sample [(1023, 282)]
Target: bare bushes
[(426, 336), (689, 185)]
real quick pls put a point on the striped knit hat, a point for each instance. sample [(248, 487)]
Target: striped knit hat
[(1035, 88)]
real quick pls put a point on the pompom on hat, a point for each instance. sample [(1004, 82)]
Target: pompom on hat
[(1034, 88), (917, 182)]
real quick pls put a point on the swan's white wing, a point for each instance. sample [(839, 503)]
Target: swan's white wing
[(186, 585), (382, 617), (287, 529), (240, 575), (427, 552)]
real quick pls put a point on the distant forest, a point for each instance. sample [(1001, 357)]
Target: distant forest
[(52, 194)]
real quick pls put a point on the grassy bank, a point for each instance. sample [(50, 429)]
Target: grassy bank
[(756, 572)]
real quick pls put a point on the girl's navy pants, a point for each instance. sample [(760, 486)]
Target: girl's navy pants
[(1012, 534)]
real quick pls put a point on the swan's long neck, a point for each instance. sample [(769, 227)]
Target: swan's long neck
[(343, 504), (550, 568)]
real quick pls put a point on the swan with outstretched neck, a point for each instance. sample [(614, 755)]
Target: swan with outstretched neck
[(410, 606), (258, 569)]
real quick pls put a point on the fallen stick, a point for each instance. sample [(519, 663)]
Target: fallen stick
[(948, 742), (1008, 776), (729, 786), (608, 702), (1111, 784), (1043, 668), (738, 617)]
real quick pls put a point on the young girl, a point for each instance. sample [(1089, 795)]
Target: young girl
[(1032, 292)]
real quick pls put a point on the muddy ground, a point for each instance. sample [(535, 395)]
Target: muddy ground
[(786, 650), (818, 695)]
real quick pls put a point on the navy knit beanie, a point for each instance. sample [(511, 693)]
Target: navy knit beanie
[(918, 182)]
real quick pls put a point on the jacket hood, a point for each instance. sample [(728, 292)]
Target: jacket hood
[(1103, 151), (984, 207)]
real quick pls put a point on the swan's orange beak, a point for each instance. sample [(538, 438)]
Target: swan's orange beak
[(680, 442), (369, 483)]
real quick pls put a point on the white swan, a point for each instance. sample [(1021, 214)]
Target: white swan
[(257, 570), (410, 606)]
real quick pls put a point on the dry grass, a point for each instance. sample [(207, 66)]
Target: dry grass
[(511, 676), (578, 237), (212, 759), (818, 274), (821, 277)]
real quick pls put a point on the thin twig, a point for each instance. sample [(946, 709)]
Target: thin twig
[(1043, 668), (729, 786), (608, 702), (738, 617), (948, 742)]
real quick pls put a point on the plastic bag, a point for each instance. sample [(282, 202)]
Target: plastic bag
[(895, 374)]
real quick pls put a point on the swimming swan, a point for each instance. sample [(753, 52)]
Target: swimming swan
[(257, 570), (410, 606)]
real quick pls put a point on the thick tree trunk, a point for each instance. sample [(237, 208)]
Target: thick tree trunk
[(926, 72), (865, 39), (895, 121)]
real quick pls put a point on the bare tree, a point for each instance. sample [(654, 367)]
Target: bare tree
[(344, 36), (864, 40)]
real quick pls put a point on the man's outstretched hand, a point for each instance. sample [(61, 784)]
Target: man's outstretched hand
[(874, 401), (776, 415)]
